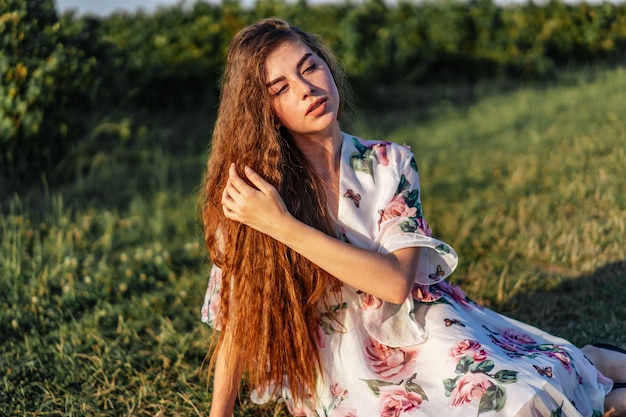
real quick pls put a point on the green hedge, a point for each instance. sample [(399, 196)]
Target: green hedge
[(410, 42), (56, 71), (51, 72)]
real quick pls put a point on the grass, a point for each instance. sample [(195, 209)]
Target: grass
[(101, 282), (528, 186)]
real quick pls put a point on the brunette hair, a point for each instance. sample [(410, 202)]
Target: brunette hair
[(270, 294)]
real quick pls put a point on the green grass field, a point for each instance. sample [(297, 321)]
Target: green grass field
[(101, 282)]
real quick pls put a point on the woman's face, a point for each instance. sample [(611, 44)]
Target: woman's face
[(302, 90)]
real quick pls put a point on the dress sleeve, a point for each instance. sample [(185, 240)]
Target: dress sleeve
[(212, 299), (402, 224)]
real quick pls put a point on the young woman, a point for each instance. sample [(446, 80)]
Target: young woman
[(327, 286)]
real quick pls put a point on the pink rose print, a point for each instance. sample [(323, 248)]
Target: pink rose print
[(422, 226), (215, 280), (214, 306), (390, 364), (455, 292), (507, 345), (396, 208), (469, 348), (469, 388), (380, 150), (425, 293), (562, 357), (343, 411), (337, 391), (210, 309), (371, 302), (518, 337), (395, 401), (205, 312)]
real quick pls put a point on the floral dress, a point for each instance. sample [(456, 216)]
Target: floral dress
[(438, 353)]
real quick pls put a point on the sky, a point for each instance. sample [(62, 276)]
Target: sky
[(105, 7)]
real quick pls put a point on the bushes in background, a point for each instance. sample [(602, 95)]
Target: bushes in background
[(56, 71), (51, 73)]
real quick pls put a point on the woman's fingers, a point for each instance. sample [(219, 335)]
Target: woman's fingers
[(255, 203), (236, 181), (257, 180), (267, 189), (227, 201), (237, 191), (238, 197)]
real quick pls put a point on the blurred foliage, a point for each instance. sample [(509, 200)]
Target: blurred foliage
[(172, 55), (51, 72), (56, 69)]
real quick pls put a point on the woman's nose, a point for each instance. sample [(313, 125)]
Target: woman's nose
[(305, 88)]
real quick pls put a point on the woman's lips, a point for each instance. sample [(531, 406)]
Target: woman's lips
[(316, 104)]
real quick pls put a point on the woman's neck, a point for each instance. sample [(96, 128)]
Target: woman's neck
[(323, 152)]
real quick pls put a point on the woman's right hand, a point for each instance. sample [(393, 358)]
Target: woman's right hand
[(262, 208), (259, 207)]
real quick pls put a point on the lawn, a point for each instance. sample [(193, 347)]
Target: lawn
[(101, 280)]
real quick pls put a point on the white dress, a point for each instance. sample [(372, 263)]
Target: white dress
[(439, 354)]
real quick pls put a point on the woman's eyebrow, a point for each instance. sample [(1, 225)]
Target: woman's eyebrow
[(298, 66), (304, 58)]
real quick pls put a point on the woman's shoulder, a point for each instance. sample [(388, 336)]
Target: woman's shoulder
[(377, 146), (383, 150)]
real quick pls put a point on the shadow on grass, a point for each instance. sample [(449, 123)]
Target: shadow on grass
[(124, 157), (587, 309)]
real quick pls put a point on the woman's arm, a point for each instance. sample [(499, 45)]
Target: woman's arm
[(386, 276), (225, 389)]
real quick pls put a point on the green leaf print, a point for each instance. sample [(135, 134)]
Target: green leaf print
[(375, 384), (558, 412), (463, 366), (403, 185), (363, 159), (411, 197), (596, 413), (359, 146), (442, 249), (411, 386), (358, 163), (449, 384), (494, 399), (547, 347), (413, 164), (408, 226), (411, 200), (484, 366), (506, 376), (328, 319)]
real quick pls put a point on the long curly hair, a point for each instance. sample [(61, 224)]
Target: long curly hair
[(270, 294)]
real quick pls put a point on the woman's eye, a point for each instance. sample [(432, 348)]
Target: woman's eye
[(310, 68), (280, 90)]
